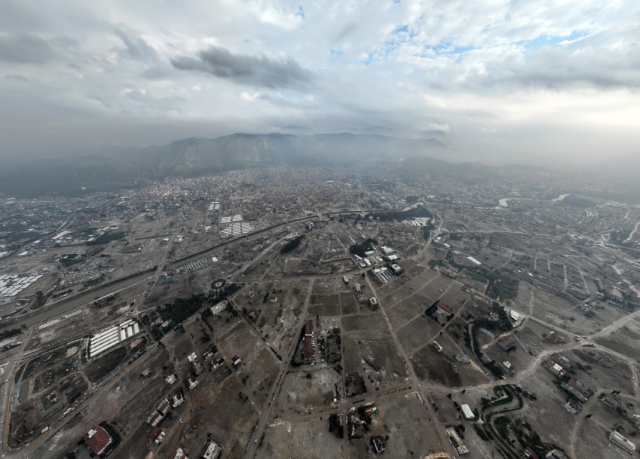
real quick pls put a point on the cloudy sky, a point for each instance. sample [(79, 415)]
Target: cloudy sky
[(493, 79)]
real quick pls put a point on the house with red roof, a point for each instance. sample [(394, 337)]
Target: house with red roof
[(97, 440)]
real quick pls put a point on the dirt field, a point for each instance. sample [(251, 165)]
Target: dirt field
[(408, 309), (624, 340), (435, 367), (411, 432), (363, 322), (306, 439), (417, 333), (311, 388)]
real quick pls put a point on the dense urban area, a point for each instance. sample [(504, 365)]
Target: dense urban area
[(378, 310)]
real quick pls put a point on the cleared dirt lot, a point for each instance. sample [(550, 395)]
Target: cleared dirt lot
[(348, 303), (435, 367), (406, 310), (382, 363), (309, 389), (417, 333), (306, 439), (618, 377), (215, 410), (411, 432), (437, 287), (624, 340), (595, 444), (363, 322), (260, 366)]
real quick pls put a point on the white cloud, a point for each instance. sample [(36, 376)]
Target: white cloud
[(444, 128), (500, 72), (249, 97)]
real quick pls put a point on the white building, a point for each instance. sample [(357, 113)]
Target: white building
[(468, 413), (622, 441), (213, 451)]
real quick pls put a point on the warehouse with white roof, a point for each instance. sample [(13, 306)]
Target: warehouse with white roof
[(112, 336)]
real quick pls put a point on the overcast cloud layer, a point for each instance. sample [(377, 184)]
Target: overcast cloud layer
[(508, 80)]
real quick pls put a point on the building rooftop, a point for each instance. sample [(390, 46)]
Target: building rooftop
[(97, 440)]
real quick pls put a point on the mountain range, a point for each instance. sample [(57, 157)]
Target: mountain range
[(127, 167)]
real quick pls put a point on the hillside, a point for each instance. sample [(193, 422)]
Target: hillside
[(198, 156)]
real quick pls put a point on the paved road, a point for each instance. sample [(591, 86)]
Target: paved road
[(7, 387)]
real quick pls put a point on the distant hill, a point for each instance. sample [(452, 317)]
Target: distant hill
[(418, 167), (197, 156)]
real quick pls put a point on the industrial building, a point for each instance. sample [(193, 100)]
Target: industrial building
[(111, 337), (578, 390), (307, 345), (468, 413), (387, 250), (474, 261), (219, 308), (383, 275), (12, 284), (456, 441)]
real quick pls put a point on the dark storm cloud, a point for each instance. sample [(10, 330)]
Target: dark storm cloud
[(137, 48), (24, 49), (257, 70)]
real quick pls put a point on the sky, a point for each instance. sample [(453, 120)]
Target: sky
[(495, 80)]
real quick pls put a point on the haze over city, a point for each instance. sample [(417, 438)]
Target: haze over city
[(319, 230), (507, 81)]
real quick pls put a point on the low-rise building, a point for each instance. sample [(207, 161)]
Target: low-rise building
[(444, 310), (307, 344), (154, 419), (467, 412), (163, 407), (179, 453), (622, 441), (507, 343), (155, 434), (578, 390), (219, 308), (177, 400), (378, 443), (213, 451), (556, 454), (97, 440)]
